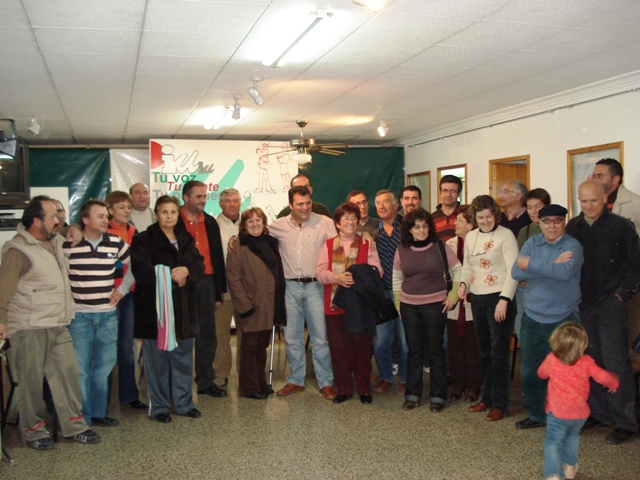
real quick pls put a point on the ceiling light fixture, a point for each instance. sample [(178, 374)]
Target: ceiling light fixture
[(373, 5), (278, 59), (34, 127), (383, 129), (302, 158), (236, 107), (253, 92)]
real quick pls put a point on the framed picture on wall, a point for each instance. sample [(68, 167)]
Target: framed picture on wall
[(580, 163), (459, 171), (422, 180)]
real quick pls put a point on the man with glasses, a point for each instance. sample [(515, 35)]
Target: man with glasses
[(446, 212), (550, 262), (610, 275), (513, 197), (367, 224)]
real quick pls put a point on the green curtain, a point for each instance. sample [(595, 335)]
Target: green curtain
[(368, 169), (86, 172)]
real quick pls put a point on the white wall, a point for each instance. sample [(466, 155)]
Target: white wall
[(546, 138)]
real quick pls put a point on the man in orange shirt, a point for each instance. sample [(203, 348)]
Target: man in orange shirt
[(210, 290)]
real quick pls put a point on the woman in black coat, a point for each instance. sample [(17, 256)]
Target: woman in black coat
[(168, 370)]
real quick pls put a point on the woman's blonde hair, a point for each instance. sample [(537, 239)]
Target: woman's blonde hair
[(569, 342)]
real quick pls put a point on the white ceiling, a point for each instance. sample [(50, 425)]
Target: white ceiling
[(124, 71)]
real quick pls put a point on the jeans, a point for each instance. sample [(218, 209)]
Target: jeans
[(126, 351), (206, 342), (425, 323), (534, 348), (606, 325), (305, 301), (169, 376), (382, 348), (494, 339), (561, 444), (94, 342)]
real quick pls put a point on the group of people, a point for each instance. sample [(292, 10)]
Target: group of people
[(462, 279)]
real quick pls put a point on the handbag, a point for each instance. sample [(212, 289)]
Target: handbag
[(386, 312)]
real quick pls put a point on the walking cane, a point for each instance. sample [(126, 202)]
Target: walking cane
[(273, 340)]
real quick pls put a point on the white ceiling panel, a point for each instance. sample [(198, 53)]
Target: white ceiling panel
[(93, 14), (122, 71)]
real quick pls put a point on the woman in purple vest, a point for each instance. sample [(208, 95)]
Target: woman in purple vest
[(350, 342), (424, 296)]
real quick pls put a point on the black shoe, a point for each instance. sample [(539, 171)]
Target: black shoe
[(193, 413), (619, 436), (436, 407), (41, 444), (366, 399), (591, 423), (88, 437), (268, 391), (138, 405), (162, 418), (104, 421), (258, 396), (341, 398), (214, 391), (527, 423)]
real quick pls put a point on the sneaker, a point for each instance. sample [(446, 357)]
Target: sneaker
[(41, 444), (570, 471), (88, 437)]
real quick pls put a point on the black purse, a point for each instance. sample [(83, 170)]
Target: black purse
[(386, 312)]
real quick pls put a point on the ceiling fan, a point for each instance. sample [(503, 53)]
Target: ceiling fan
[(306, 146)]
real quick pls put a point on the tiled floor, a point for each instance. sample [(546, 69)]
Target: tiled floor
[(307, 437)]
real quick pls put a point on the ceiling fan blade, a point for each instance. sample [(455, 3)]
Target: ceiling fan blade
[(333, 145), (281, 152), (329, 151)]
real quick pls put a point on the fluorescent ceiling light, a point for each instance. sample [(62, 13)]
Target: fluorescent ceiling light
[(373, 5), (383, 129), (278, 57)]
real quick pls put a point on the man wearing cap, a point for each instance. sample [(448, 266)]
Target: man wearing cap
[(550, 262), (609, 277)]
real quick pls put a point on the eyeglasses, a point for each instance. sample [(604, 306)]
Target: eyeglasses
[(504, 191), (554, 220), (420, 227), (362, 203), (349, 219)]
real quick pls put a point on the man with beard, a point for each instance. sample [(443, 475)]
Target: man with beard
[(36, 306)]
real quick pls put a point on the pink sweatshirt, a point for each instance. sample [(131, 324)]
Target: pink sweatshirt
[(568, 388)]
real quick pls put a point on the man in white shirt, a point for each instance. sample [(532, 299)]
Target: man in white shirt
[(228, 221), (302, 234), (141, 213)]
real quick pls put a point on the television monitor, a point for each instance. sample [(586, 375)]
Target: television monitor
[(14, 177)]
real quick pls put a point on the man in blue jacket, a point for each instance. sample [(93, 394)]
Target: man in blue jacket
[(550, 263)]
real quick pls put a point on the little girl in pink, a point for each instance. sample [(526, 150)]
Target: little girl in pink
[(568, 371)]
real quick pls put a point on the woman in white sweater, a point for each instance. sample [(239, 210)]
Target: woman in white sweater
[(489, 253)]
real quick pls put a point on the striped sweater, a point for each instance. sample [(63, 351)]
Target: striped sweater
[(91, 271)]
